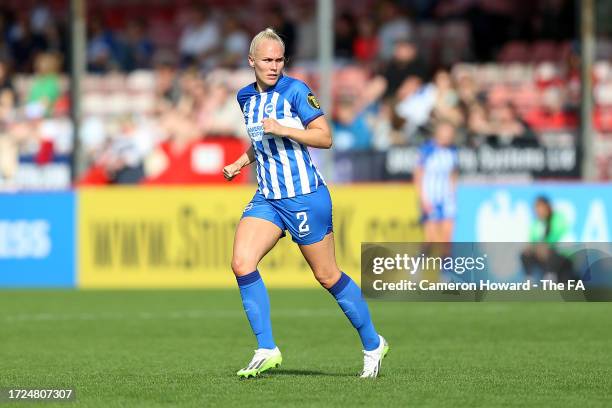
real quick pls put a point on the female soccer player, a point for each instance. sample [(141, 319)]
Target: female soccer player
[(435, 179), (282, 118)]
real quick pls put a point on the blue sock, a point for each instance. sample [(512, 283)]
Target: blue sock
[(354, 306), (257, 308)]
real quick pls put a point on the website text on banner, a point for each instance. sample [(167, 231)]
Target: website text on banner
[(183, 237)]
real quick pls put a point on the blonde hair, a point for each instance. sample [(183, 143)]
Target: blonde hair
[(267, 34)]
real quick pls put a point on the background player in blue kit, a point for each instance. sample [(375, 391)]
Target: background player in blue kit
[(435, 179), (283, 117)]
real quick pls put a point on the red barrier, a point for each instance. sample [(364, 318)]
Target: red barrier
[(202, 162)]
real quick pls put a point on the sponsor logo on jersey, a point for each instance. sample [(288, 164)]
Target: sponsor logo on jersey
[(255, 131)]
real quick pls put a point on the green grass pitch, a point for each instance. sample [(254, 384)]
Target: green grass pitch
[(182, 348)]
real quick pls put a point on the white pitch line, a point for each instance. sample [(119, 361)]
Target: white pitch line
[(187, 314)]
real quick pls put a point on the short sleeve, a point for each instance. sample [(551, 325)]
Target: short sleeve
[(455, 158), (305, 103), (424, 151), (240, 100)]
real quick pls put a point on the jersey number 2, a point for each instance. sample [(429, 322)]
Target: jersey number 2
[(304, 217)]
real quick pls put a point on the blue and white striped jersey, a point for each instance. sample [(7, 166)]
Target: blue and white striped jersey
[(284, 167), (438, 164)]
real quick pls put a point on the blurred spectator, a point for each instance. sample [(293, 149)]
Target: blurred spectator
[(8, 156), (478, 127), (167, 87), (45, 89), (405, 63), (40, 17), (236, 44), (219, 114), (8, 96), (355, 109), (8, 102), (351, 128), (55, 39), (446, 105), (510, 129), (101, 48), (415, 104), (366, 44), (344, 36), (394, 27), (550, 114), (554, 20), (5, 51), (200, 38), (285, 28), (388, 127), (138, 48), (468, 91), (125, 156), (24, 43), (119, 158), (307, 33)]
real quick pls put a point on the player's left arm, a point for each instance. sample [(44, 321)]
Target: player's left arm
[(454, 177), (317, 133)]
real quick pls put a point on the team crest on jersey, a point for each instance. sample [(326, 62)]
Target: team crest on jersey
[(312, 101), (268, 109)]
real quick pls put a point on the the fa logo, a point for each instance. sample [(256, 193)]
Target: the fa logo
[(244, 111), (575, 284), (268, 109)]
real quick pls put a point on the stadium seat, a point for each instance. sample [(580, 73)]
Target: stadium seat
[(428, 40), (143, 103), (545, 51), (119, 103), (603, 49), (454, 42), (603, 94), (95, 104), (517, 74), (601, 71), (514, 51), (141, 81)]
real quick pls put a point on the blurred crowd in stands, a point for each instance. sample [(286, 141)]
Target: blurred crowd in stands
[(163, 74)]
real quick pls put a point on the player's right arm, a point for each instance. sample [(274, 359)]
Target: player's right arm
[(418, 179), (232, 170)]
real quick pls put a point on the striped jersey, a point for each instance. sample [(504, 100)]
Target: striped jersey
[(438, 164), (284, 166)]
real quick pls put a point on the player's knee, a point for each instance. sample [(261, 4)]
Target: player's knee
[(242, 265), (327, 277)]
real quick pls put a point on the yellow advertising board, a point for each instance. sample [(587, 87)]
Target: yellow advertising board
[(171, 237)]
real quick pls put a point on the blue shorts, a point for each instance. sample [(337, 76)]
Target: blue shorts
[(308, 217), (441, 211)]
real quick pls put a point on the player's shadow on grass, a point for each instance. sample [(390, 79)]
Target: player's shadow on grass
[(307, 372)]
